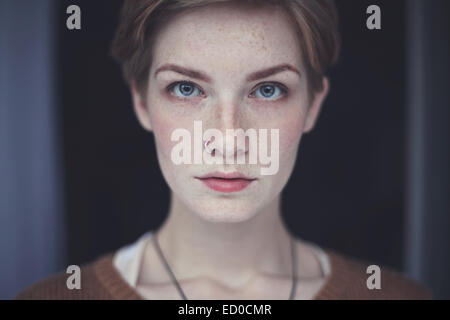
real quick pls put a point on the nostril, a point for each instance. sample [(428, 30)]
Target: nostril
[(208, 149)]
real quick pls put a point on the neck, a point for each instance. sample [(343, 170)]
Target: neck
[(232, 253)]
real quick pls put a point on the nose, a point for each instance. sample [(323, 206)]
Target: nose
[(229, 119)]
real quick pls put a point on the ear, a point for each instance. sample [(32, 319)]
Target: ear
[(316, 106), (140, 107)]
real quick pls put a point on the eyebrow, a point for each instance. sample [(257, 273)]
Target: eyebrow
[(185, 71), (261, 74), (271, 71)]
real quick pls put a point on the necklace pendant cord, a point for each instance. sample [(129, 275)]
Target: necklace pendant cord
[(166, 265), (183, 296)]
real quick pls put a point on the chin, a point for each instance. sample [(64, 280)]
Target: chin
[(225, 217), (225, 210)]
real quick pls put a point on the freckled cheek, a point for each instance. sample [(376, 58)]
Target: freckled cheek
[(290, 134), (162, 137), (163, 125)]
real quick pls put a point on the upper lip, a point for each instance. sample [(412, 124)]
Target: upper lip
[(223, 175)]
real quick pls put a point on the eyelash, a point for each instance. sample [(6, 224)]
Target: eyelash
[(281, 87)]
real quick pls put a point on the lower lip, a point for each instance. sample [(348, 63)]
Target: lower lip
[(226, 185)]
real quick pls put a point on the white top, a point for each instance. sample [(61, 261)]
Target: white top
[(127, 260)]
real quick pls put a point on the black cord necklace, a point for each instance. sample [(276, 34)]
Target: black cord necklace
[(183, 296)]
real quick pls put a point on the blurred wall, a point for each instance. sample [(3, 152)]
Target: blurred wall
[(427, 242), (31, 217)]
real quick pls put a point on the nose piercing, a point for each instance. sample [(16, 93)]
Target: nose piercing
[(206, 147)]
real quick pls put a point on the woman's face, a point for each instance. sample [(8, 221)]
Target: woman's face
[(205, 67)]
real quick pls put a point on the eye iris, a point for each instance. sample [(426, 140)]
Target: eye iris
[(186, 89), (267, 90)]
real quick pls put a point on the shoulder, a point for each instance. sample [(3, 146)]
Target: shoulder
[(351, 278), (55, 287)]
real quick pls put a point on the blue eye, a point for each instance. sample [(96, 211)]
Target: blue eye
[(269, 91), (185, 89)]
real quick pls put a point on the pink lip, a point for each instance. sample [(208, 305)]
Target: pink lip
[(226, 182)]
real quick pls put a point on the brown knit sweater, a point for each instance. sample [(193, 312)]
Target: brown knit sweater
[(100, 280)]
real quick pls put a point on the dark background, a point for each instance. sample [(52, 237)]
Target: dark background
[(346, 191), (79, 177)]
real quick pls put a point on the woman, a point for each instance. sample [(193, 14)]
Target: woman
[(198, 69)]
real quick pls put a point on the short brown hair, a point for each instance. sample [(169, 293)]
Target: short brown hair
[(317, 22)]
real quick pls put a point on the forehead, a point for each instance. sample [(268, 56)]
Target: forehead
[(229, 36)]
